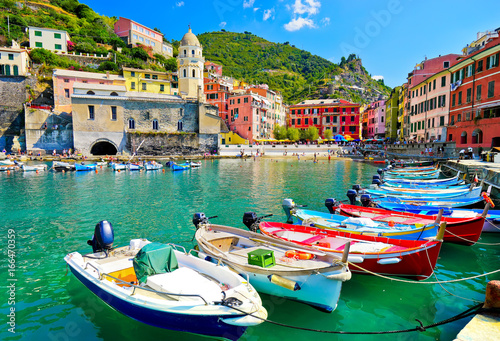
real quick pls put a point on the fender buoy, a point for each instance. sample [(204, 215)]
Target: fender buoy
[(299, 255), (391, 223), (487, 198)]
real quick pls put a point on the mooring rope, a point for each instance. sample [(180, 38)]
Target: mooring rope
[(470, 241), (421, 282), (421, 328)]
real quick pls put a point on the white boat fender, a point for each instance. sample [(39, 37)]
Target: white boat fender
[(355, 259), (385, 261), (284, 282), (344, 276)]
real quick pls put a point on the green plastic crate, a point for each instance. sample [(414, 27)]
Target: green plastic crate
[(261, 257)]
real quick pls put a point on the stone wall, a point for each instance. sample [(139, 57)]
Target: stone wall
[(157, 144), (418, 149), (168, 114), (46, 130), (12, 96)]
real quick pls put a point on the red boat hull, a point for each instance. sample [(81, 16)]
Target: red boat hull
[(464, 231), (417, 259)]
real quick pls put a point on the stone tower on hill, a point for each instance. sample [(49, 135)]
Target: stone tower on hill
[(190, 63)]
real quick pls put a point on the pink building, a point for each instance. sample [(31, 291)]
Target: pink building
[(213, 69), (370, 122), (63, 85), (134, 33), (247, 115), (378, 119), (429, 95)]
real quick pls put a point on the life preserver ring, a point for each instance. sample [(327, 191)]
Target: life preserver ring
[(487, 198), (299, 255)]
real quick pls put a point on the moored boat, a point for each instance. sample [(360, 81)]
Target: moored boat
[(118, 166), (34, 168), (464, 230), (390, 257), (316, 282), (82, 167), (164, 286), (152, 165), (134, 167), (179, 167), (60, 166)]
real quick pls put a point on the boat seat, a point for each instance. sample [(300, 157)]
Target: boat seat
[(186, 281), (341, 248), (313, 239)]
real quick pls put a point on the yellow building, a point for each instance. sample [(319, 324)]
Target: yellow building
[(14, 61), (137, 80), (232, 138)]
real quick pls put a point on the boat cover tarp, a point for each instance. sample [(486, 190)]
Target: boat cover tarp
[(154, 258)]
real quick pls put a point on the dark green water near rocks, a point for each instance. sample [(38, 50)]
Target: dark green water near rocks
[(53, 214)]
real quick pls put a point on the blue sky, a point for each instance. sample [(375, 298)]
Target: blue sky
[(390, 36)]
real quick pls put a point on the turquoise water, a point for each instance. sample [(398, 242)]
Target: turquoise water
[(55, 213)]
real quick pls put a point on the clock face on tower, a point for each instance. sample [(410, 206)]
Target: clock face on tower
[(182, 61)]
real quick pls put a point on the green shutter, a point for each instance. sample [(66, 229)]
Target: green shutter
[(38, 33), (57, 35), (58, 47), (38, 44)]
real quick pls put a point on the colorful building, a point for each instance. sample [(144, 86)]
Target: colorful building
[(247, 116), (14, 61), (49, 39), (64, 80), (133, 33), (157, 82), (391, 115), (475, 97), (337, 115), (378, 119)]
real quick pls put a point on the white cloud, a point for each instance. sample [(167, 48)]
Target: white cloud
[(268, 13), (298, 23), (248, 3), (179, 4), (255, 9), (325, 21), (377, 77), (310, 7), (223, 24)]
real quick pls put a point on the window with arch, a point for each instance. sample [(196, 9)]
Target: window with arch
[(90, 92), (185, 73), (113, 94), (477, 136), (155, 124), (179, 126), (463, 138), (192, 53), (16, 70), (194, 73), (131, 123), (185, 52)]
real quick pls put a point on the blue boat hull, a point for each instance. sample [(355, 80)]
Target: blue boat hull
[(199, 324)]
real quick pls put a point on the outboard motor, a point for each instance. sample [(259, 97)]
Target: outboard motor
[(376, 177), (376, 182), (103, 237), (288, 205), (380, 171), (332, 205), (199, 218), (351, 194), (356, 187), (365, 199), (249, 219)]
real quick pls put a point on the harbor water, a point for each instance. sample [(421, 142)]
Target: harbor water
[(51, 214)]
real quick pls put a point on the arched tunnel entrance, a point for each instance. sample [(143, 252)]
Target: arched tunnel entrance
[(103, 148)]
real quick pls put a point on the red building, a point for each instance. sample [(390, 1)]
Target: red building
[(337, 115), (217, 93), (475, 98)]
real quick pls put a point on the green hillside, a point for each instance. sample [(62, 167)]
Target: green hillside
[(297, 73)]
